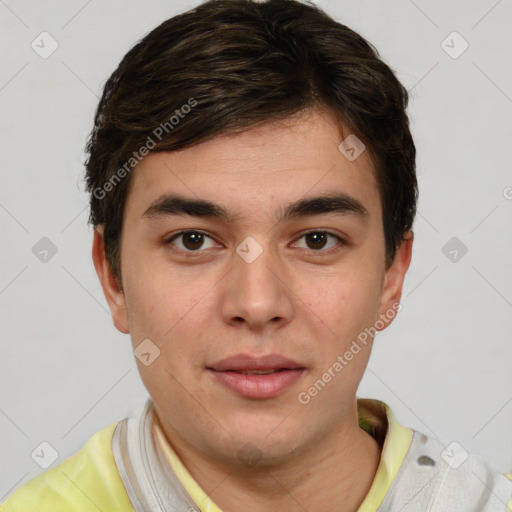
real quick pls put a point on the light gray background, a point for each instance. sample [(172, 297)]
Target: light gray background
[(444, 366)]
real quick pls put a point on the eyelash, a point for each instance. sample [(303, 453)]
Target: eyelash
[(319, 252)]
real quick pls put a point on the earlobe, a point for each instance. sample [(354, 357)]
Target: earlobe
[(394, 280), (113, 293)]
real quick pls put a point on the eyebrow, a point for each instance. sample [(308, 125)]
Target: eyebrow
[(339, 203)]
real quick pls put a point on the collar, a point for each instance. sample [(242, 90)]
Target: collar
[(375, 417)]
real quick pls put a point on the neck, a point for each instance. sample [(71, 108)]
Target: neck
[(338, 469)]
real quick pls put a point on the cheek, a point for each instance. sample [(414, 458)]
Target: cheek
[(343, 302), (160, 297), (174, 312)]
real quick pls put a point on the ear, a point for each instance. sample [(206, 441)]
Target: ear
[(111, 289), (394, 280)]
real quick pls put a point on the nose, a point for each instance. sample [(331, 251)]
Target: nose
[(256, 292)]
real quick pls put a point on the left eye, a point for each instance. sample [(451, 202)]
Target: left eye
[(192, 240), (316, 240)]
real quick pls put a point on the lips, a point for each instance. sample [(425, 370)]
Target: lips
[(247, 363), (256, 377), (257, 372)]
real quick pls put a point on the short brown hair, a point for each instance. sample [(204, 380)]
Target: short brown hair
[(228, 65)]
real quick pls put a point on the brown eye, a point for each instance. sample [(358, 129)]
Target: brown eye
[(318, 241), (192, 241)]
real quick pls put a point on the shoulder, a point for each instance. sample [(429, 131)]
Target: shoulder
[(88, 480), (442, 477)]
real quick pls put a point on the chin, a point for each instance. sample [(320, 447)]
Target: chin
[(265, 448)]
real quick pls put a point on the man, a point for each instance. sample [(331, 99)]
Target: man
[(253, 190)]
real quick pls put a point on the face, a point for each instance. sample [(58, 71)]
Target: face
[(265, 291)]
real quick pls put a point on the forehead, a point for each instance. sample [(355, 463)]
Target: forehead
[(260, 169)]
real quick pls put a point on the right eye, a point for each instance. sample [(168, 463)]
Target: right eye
[(191, 242)]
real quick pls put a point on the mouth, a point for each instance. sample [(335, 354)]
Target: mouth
[(256, 377), (259, 372), (248, 363)]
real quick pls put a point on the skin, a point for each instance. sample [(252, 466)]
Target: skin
[(291, 300)]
